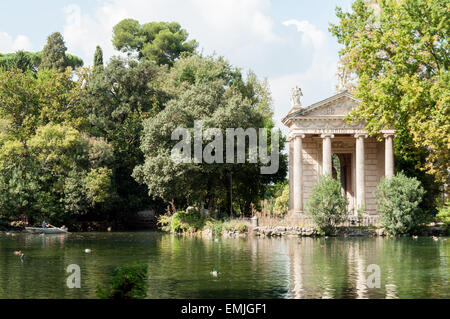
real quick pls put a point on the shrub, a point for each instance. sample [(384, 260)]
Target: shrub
[(216, 227), (128, 282), (326, 204), (181, 221), (242, 228), (234, 224), (444, 215), (398, 200), (281, 206)]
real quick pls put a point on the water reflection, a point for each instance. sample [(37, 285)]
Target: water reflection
[(180, 267)]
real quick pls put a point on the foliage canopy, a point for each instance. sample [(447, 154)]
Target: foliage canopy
[(398, 51)]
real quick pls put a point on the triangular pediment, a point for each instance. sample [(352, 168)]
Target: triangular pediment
[(336, 106)]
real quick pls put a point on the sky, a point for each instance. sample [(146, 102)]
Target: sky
[(286, 42)]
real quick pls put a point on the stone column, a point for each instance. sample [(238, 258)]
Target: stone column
[(298, 173), (360, 167), (389, 155), (327, 162)]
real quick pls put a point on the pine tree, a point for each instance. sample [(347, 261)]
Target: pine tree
[(54, 53), (98, 57)]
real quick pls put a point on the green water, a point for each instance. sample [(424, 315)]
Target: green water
[(248, 268)]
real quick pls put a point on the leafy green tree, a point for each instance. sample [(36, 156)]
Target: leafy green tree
[(398, 52), (20, 60), (31, 61), (30, 100), (160, 42), (398, 200), (98, 57), (117, 99), (54, 53), (73, 61), (212, 91), (326, 204), (38, 175)]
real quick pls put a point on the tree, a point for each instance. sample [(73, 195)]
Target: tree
[(31, 61), (326, 204), (98, 57), (160, 42), (398, 200), (73, 61), (55, 173), (398, 52), (116, 100), (29, 100), (54, 53), (22, 60), (210, 90)]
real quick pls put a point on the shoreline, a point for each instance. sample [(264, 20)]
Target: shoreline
[(272, 231), (300, 232)]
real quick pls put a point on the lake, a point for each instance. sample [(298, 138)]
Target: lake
[(179, 267)]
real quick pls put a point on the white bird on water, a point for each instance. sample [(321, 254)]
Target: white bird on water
[(87, 251), (214, 272), (435, 238)]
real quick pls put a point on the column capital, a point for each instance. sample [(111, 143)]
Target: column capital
[(324, 135), (300, 135), (358, 135), (386, 135)]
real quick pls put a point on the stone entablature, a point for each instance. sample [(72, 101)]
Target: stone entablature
[(320, 130)]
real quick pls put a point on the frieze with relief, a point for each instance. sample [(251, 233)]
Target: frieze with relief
[(327, 124)]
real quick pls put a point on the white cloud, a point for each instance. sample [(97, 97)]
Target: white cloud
[(310, 34), (82, 32), (317, 81), (9, 44)]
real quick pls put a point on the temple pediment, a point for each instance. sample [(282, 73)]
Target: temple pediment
[(334, 107)]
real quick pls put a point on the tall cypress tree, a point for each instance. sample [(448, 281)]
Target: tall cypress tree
[(98, 57), (54, 53)]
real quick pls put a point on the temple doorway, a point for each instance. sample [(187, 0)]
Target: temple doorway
[(342, 171)]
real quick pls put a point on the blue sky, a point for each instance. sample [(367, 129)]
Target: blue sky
[(285, 41)]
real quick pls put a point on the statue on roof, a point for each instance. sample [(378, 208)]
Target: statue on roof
[(296, 94)]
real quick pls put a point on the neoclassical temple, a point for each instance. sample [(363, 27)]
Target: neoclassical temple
[(318, 131)]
